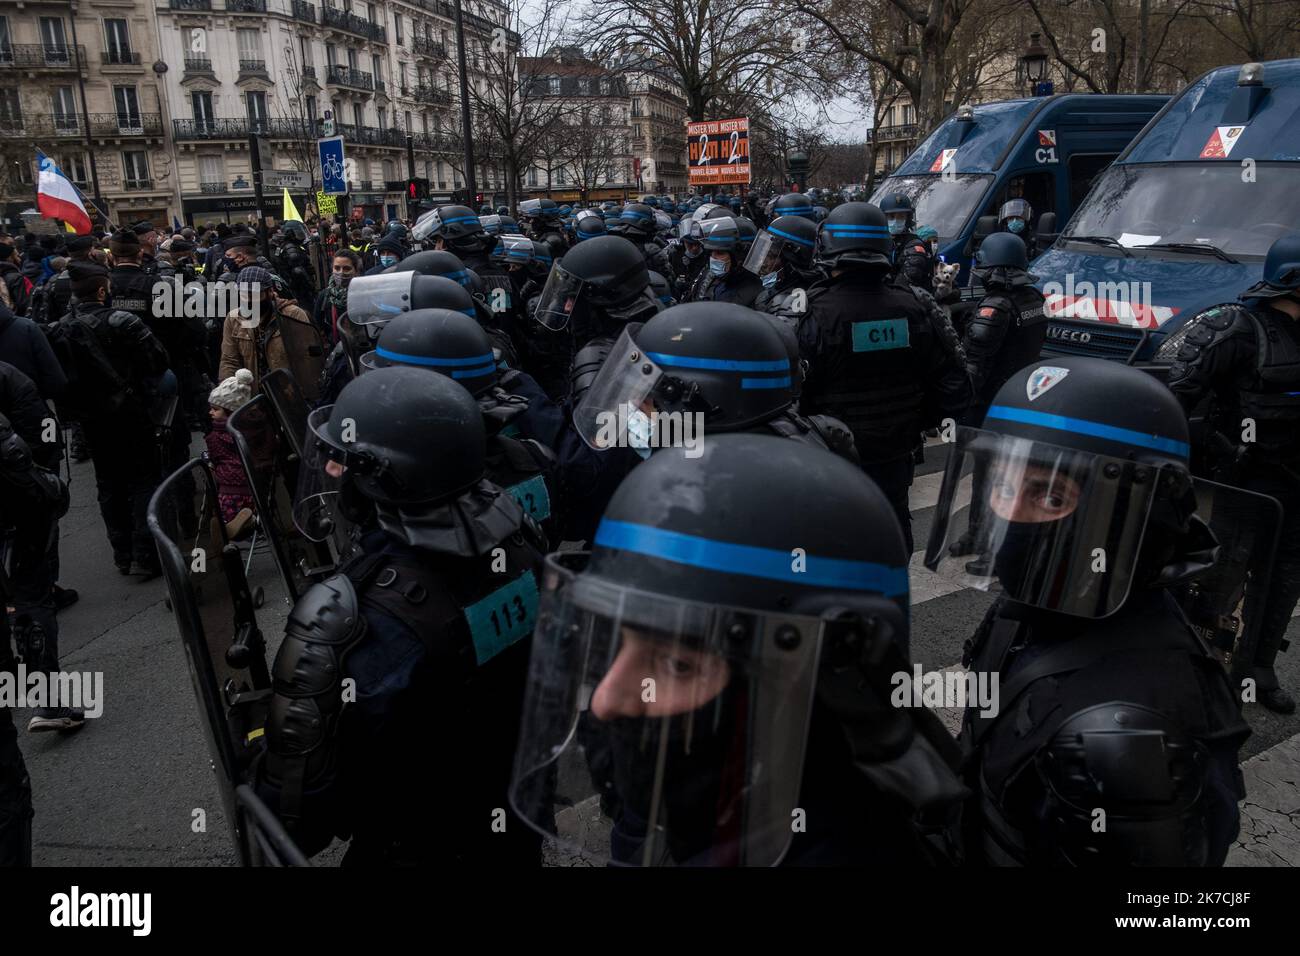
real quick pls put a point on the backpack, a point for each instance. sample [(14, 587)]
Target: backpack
[(95, 387)]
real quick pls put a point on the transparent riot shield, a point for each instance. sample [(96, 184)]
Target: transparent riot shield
[(1224, 604), (271, 468), (289, 405), (305, 350), (214, 609)]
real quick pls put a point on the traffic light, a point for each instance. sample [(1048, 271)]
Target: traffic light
[(417, 189)]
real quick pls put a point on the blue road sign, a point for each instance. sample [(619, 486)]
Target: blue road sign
[(332, 169)]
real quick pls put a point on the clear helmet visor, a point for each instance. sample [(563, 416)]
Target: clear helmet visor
[(764, 254), (662, 732), (316, 511), (618, 403), (1051, 527), (558, 299), (376, 300)]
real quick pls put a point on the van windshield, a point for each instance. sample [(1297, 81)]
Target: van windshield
[(1206, 203), (942, 204)]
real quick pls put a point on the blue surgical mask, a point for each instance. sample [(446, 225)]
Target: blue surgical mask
[(1015, 225), (387, 261), (718, 266), (770, 280), (639, 431), (897, 227)]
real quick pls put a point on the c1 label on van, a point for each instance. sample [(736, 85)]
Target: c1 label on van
[(1046, 152), (879, 335)]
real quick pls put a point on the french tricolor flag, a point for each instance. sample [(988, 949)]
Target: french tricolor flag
[(57, 198)]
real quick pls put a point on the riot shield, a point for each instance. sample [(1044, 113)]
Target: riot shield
[(213, 605), (271, 467), (305, 351), (1224, 604), (288, 404)]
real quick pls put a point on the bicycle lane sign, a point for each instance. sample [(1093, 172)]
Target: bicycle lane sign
[(333, 172)]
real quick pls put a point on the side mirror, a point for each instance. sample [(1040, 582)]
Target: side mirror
[(1047, 231)]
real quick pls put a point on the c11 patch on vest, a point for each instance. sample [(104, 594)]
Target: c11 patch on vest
[(881, 334), (503, 617), (533, 497)]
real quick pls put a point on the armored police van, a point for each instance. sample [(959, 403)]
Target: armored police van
[(1181, 221), (1046, 150)]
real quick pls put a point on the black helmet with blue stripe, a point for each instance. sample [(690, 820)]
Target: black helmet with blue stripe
[(436, 263), (1281, 270), (855, 233), (1081, 490), (794, 204), (588, 224), (440, 340), (635, 219), (720, 645), (718, 363)]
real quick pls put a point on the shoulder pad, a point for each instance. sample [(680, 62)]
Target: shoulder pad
[(120, 320), (328, 613), (1222, 317)]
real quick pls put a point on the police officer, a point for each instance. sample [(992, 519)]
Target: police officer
[(881, 359), (724, 280), (1110, 710), (593, 292), (701, 367), (294, 265), (457, 230), (450, 343), (782, 258), (687, 258), (541, 219), (1014, 217), (132, 286), (1005, 334), (1246, 358), (588, 224), (118, 362), (637, 224), (711, 694), (911, 256), (431, 622)]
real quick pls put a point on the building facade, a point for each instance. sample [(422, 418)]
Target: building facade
[(77, 81), (658, 117)]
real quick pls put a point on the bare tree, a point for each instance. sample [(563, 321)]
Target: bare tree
[(594, 147), (298, 128), (511, 114), (721, 51), (1253, 29)]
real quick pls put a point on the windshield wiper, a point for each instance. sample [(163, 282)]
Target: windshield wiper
[(1102, 241), (1201, 247)]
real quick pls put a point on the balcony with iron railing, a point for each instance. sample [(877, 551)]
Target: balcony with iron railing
[(246, 6), (282, 128), (362, 185), (899, 131), (304, 11), (252, 68), (120, 58), (381, 87), (197, 5), (436, 141), (351, 23), (395, 185), (41, 56), (309, 73), (213, 189), (340, 75), (137, 184), (431, 94), (371, 135), (427, 46), (198, 64), (126, 124)]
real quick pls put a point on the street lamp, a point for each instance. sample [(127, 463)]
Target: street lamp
[(1031, 68)]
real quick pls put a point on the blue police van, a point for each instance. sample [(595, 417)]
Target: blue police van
[(1046, 150), (1181, 221)]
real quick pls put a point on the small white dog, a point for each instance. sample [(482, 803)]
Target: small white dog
[(945, 277)]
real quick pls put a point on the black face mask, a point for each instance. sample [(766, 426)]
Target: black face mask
[(692, 779), (1021, 560)]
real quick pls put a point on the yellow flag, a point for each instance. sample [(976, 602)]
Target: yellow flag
[(290, 210), (70, 228)]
